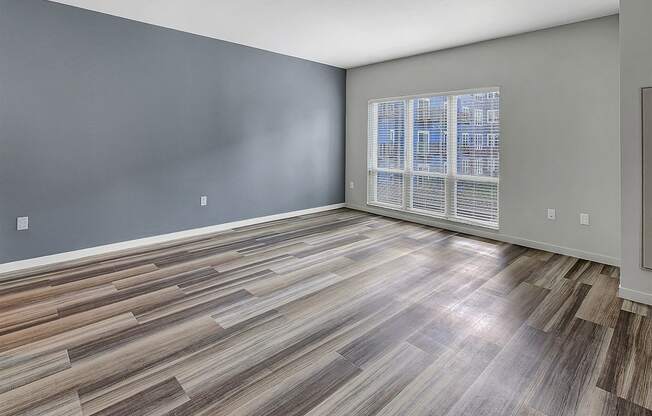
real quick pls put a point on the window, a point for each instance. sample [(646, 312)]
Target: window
[(413, 166), (465, 116), (466, 166), (466, 139), (478, 117), (389, 153), (493, 166), (478, 167), (423, 141), (423, 109), (477, 138), (492, 139), (493, 116)]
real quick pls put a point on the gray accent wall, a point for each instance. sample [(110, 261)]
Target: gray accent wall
[(635, 73), (559, 130), (111, 130)]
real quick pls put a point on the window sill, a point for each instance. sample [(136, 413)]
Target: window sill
[(481, 224)]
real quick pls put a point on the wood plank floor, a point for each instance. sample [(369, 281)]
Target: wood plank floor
[(338, 313)]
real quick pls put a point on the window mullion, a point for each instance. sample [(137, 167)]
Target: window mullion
[(373, 148), (407, 175), (452, 156)]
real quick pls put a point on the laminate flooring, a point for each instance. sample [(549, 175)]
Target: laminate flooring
[(339, 313)]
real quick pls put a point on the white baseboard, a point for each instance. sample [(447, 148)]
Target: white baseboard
[(635, 295), (50, 260), (492, 234)]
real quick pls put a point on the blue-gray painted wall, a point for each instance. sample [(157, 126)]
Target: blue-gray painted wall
[(111, 130)]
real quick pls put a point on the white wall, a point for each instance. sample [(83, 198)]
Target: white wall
[(635, 73), (559, 122)]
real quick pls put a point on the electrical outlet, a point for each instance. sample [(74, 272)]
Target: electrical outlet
[(584, 219), (203, 201), (22, 223), (351, 185), (552, 214)]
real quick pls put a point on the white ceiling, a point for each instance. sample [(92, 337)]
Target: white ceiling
[(349, 33)]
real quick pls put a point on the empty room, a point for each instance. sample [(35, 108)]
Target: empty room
[(326, 208)]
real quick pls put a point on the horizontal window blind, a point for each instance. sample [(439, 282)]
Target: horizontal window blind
[(437, 155), (475, 200), (429, 160), (387, 121)]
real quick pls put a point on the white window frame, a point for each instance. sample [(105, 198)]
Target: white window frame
[(452, 176)]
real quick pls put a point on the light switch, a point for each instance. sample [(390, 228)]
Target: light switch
[(203, 201)]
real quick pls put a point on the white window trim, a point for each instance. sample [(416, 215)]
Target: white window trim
[(450, 178)]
